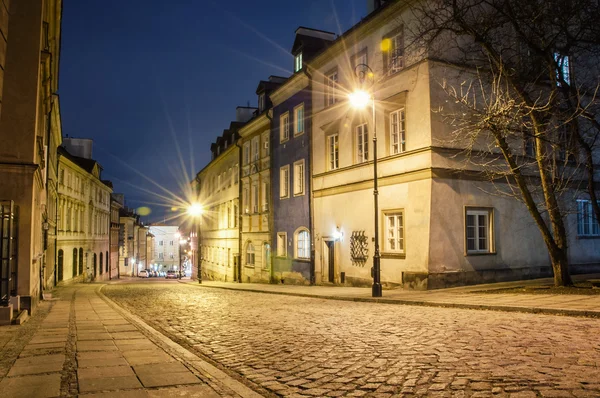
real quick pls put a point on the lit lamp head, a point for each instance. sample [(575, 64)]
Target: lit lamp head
[(359, 99), (195, 209)]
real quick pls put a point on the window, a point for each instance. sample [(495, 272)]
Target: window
[(303, 244), (267, 255), (298, 62), (299, 119), (362, 143), (333, 151), (246, 153), (235, 215), (284, 182), (479, 230), (397, 132), (394, 232), (161, 256), (331, 81), (265, 195), (255, 197), (529, 146), (564, 70), (171, 243), (250, 254), (246, 200), (265, 146), (255, 149), (261, 103), (236, 174), (360, 58), (284, 127), (393, 46), (299, 178), (281, 244), (587, 225), (172, 256), (160, 243)]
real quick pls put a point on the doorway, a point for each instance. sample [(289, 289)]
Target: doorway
[(330, 260), (60, 264), (95, 266)]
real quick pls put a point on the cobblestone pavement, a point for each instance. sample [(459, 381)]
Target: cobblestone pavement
[(297, 346)]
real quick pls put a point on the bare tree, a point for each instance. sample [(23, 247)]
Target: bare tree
[(525, 107)]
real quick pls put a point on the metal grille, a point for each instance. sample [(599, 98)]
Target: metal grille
[(8, 250), (359, 247)]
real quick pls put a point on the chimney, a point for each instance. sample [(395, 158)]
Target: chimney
[(244, 113)]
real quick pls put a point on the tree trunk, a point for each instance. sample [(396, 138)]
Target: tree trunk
[(560, 267)]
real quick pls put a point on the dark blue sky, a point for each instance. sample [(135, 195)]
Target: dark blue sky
[(138, 75)]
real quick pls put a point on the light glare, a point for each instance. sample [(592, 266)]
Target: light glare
[(195, 209), (359, 99)]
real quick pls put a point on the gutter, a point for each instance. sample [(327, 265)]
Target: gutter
[(310, 185)]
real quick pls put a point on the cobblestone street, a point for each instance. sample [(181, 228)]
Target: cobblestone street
[(297, 346)]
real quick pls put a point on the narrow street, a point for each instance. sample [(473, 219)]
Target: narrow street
[(296, 346)]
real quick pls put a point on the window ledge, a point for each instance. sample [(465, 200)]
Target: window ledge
[(299, 133), (304, 260), (248, 266), (283, 141), (480, 254), (393, 255)]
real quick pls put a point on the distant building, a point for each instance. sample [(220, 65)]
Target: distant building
[(166, 246), (128, 221), (115, 206), (82, 147), (83, 221)]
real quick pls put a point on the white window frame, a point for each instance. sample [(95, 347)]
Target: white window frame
[(586, 227), (331, 82), (265, 146), (477, 212), (302, 244), (284, 127), (398, 129), (299, 177), (246, 153), (250, 255), (265, 186), (333, 151), (261, 102), (281, 244), (284, 182), (299, 120), (394, 241), (298, 62), (361, 132), (396, 61), (266, 255), (255, 149), (255, 197)]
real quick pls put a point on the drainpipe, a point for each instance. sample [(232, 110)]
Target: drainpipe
[(239, 215), (271, 214), (310, 185)]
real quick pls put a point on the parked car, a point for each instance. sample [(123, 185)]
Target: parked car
[(171, 275), (144, 274)]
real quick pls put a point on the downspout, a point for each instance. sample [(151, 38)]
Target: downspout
[(310, 185), (239, 215), (271, 214)]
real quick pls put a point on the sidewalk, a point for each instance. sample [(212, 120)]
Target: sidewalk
[(82, 344), (460, 297)]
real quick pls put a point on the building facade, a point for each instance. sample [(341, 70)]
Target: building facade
[(115, 206), (255, 139), (29, 56), (128, 225), (291, 141), (83, 221), (166, 246)]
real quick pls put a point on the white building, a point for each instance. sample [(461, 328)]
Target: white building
[(166, 247)]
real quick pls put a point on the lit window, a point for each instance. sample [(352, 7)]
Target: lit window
[(255, 197), (397, 132), (587, 225), (298, 62), (284, 182), (362, 143), (255, 149), (266, 192), (281, 244), (302, 244), (265, 146), (564, 69), (394, 45), (250, 254), (299, 119), (333, 151), (267, 255), (299, 178), (394, 232), (331, 81), (479, 230), (284, 127)]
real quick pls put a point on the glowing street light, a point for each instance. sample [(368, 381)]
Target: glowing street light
[(195, 210), (359, 99)]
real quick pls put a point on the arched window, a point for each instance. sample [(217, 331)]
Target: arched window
[(101, 263), (267, 256), (302, 243), (250, 254)]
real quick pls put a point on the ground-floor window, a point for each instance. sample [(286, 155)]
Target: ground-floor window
[(479, 231), (302, 239), (281, 244), (267, 254), (250, 254), (587, 225), (394, 231)]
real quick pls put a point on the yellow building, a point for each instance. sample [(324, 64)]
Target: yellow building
[(83, 221), (29, 136)]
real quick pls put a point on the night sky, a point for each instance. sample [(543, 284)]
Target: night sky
[(139, 76)]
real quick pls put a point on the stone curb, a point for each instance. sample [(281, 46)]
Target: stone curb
[(191, 359), (422, 303)]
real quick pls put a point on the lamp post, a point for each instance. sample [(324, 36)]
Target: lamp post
[(195, 210), (360, 99)]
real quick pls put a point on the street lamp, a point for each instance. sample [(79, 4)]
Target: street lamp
[(360, 99), (195, 210)]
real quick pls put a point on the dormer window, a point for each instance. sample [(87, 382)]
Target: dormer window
[(261, 103), (298, 62)]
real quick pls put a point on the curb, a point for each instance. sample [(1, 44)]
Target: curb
[(421, 303), (192, 360)]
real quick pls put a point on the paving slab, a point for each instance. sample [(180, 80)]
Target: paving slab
[(99, 355), (108, 383), (102, 345), (203, 391), (144, 357), (38, 386), (119, 394), (103, 372), (100, 362), (37, 364), (81, 336)]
